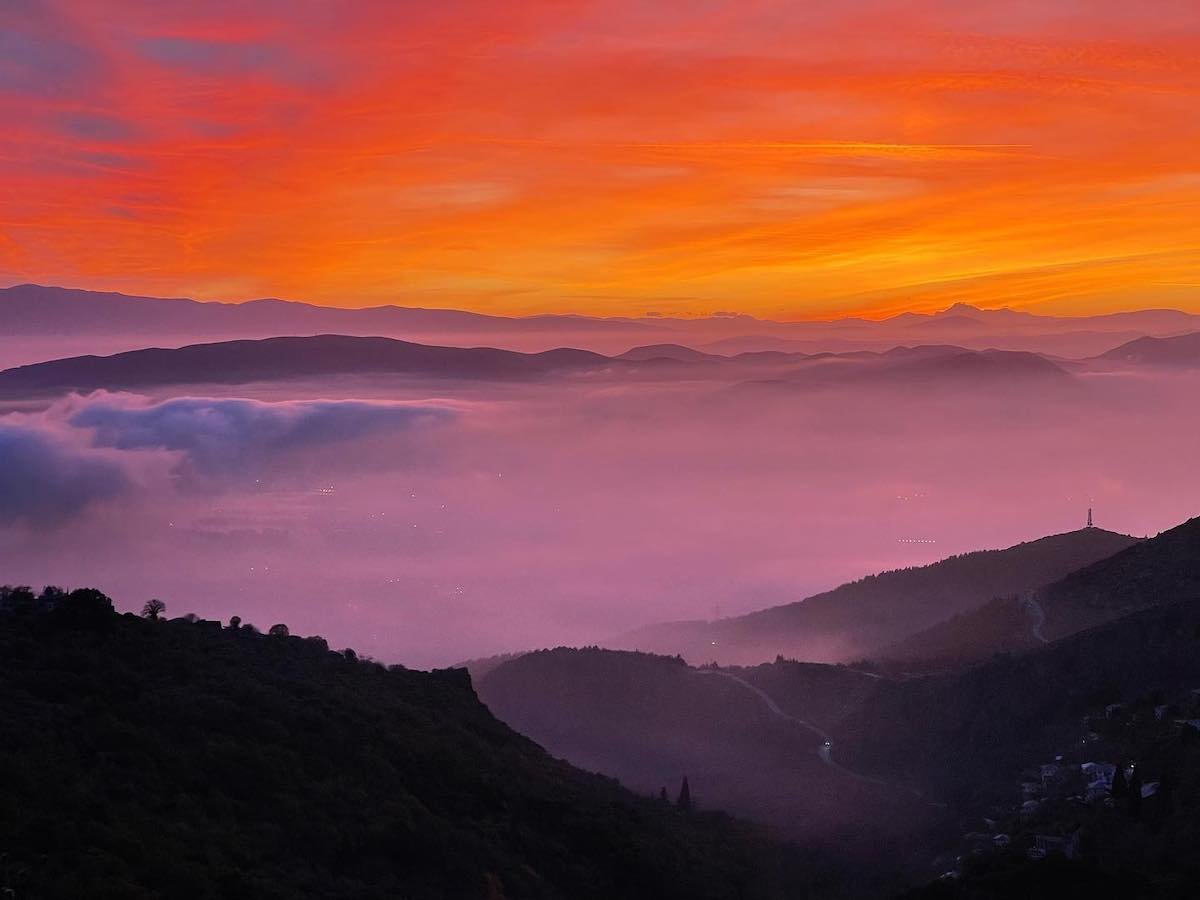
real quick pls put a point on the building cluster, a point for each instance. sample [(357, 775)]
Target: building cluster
[(1053, 796)]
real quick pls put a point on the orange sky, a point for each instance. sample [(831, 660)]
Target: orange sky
[(792, 159)]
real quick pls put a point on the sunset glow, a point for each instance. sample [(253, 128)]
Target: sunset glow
[(607, 157)]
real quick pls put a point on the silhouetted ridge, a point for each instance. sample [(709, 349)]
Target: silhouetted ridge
[(235, 362), (181, 759)]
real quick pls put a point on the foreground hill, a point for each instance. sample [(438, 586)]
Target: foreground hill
[(180, 759), (235, 362), (856, 619)]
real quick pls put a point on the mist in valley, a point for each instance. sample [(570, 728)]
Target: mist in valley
[(427, 522)]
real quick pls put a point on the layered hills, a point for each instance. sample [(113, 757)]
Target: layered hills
[(856, 619)]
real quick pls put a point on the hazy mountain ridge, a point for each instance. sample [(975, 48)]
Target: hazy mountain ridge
[(117, 322), (283, 358), (1162, 570), (296, 357), (857, 618), (1001, 625), (1178, 351), (1138, 576), (38, 309)]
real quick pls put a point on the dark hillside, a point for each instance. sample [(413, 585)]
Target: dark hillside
[(963, 734), (650, 720), (153, 759), (815, 692), (1002, 625), (1163, 570)]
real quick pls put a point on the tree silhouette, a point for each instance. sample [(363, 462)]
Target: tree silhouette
[(51, 596), (1133, 801), (662, 796), (153, 609), (235, 622), (85, 607), (279, 630), (1165, 795), (685, 796), (19, 599), (1119, 786)]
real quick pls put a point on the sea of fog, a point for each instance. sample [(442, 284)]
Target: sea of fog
[(426, 523)]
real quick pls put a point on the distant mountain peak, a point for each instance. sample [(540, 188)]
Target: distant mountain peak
[(676, 352), (959, 309)]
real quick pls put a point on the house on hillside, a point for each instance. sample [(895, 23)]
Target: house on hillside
[(1052, 776), (1091, 771), (1046, 844), (1098, 778), (1113, 710)]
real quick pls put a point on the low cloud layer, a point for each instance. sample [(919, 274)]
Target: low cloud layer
[(45, 477), (218, 435), (85, 450)]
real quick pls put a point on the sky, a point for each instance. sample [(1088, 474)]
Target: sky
[(608, 157)]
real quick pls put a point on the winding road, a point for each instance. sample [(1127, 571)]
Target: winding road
[(1037, 615), (825, 751)]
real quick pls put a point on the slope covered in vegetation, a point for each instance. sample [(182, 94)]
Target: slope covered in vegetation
[(958, 733), (150, 758)]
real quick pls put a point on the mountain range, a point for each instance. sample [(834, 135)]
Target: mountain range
[(37, 322), (922, 369)]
